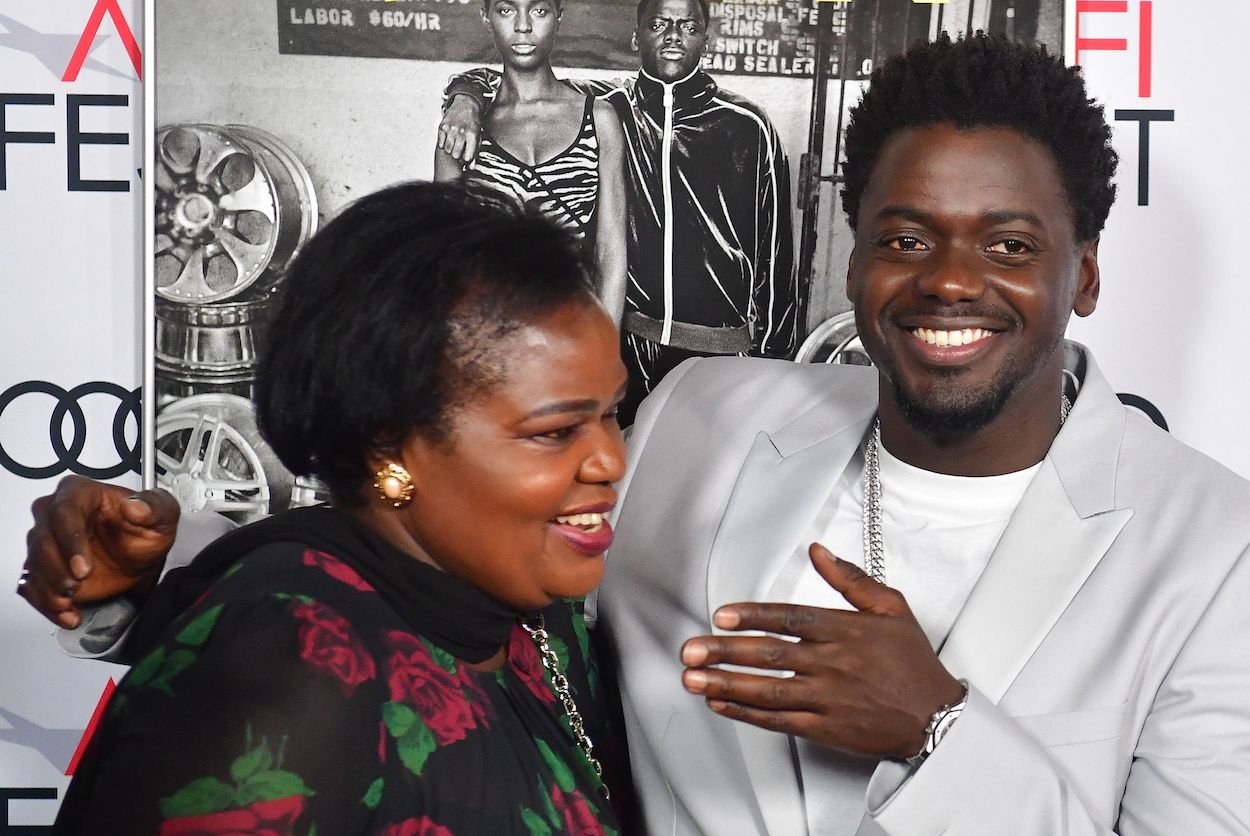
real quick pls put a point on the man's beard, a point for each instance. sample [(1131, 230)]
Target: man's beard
[(956, 414)]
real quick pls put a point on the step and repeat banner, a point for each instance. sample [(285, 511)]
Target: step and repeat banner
[(71, 116), (1173, 282), (245, 170)]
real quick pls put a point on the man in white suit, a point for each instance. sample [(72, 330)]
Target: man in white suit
[(1058, 644), (1040, 621)]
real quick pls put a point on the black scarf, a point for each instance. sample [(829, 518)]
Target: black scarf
[(450, 612)]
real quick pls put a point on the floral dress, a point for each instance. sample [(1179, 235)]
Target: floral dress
[(293, 698)]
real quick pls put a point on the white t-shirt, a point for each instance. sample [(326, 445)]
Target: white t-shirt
[(939, 533)]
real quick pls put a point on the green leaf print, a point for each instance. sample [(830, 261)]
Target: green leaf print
[(535, 823), (270, 785), (560, 769), (198, 798), (373, 796), (441, 657), (579, 630), (286, 596), (247, 765), (553, 816), (562, 651), (174, 664), (144, 671), (416, 745), (200, 628), (398, 718)]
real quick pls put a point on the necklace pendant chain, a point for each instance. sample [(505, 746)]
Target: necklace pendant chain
[(537, 629), (874, 539)]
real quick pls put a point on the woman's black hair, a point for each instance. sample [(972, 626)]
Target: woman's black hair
[(390, 317), (987, 81)]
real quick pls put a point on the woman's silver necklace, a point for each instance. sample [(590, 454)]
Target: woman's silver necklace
[(537, 629), (874, 541)]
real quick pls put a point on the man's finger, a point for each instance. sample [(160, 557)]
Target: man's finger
[(470, 145), (157, 510), (787, 722), (748, 651), (45, 563), (860, 590), (771, 692), (813, 623)]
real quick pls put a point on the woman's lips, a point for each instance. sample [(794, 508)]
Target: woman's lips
[(591, 540)]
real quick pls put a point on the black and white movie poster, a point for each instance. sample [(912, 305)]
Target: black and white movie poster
[(274, 114)]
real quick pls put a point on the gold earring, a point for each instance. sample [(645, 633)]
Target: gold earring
[(394, 485)]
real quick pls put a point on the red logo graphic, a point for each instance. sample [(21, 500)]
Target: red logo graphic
[(92, 29), (91, 726)]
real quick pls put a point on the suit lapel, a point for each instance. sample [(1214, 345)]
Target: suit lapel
[(1041, 562), (1063, 526), (772, 504)]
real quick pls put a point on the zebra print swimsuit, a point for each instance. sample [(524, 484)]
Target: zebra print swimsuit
[(565, 188)]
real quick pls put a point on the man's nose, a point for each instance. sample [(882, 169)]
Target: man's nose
[(522, 23), (951, 275)]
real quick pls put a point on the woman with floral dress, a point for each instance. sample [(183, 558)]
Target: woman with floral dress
[(412, 660)]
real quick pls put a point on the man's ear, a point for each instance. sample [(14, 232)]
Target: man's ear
[(633, 41), (850, 275), (1087, 282)]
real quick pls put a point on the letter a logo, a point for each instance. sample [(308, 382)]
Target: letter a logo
[(92, 29)]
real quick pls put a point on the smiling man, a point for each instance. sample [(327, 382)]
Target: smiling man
[(1035, 626), (1038, 620), (710, 245)]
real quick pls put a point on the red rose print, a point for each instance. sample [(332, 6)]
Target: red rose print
[(416, 827), (523, 657), (579, 818), (266, 818), (415, 678), (336, 569), (478, 701), (326, 641)]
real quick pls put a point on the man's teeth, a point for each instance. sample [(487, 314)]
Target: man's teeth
[(589, 520), (945, 338)]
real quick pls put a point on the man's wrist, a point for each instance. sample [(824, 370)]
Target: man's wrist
[(940, 723)]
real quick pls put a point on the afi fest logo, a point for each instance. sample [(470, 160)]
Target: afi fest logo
[(50, 48), (66, 55), (89, 32)]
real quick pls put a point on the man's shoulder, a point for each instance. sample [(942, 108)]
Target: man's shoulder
[(1153, 461), (743, 106), (726, 396)]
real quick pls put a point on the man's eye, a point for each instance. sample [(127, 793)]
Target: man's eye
[(658, 25), (1009, 246), (689, 28), (539, 12), (906, 244), (504, 11)]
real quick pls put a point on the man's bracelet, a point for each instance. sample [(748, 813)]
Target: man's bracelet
[(939, 724)]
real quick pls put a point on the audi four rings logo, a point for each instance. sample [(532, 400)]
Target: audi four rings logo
[(69, 404)]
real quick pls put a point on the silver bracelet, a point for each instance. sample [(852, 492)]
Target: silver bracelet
[(939, 724)]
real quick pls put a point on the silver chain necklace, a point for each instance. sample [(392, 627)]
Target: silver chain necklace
[(537, 630), (874, 540)]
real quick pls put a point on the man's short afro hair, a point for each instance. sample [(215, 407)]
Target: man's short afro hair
[(987, 80)]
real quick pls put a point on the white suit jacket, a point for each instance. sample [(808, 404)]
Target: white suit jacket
[(1107, 643)]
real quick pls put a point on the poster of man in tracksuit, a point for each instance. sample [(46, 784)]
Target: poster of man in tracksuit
[(711, 245)]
